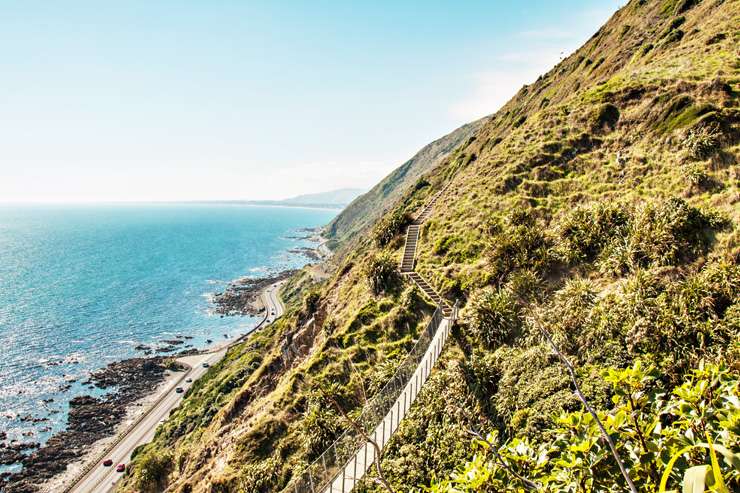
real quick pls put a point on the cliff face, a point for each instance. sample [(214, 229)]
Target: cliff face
[(601, 202)]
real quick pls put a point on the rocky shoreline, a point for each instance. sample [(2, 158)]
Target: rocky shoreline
[(241, 297), (90, 419)]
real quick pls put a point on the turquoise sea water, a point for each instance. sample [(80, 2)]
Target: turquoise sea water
[(81, 286)]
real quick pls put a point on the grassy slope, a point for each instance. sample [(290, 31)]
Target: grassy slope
[(522, 216), (369, 207), (564, 198)]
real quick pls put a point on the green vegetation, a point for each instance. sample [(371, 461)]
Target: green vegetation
[(494, 317), (659, 433), (382, 273), (602, 200)]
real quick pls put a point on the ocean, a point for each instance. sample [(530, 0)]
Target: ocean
[(82, 286)]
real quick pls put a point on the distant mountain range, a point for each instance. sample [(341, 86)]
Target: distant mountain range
[(334, 199)]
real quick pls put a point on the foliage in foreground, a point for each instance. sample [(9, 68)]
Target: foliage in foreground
[(664, 439)]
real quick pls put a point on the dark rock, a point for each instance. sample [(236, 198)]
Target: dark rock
[(173, 342), (90, 419), (240, 297), (311, 253)]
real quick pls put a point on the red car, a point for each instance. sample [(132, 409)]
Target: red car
[(108, 462), (120, 467)]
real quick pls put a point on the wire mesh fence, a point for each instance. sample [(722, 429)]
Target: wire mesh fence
[(352, 450)]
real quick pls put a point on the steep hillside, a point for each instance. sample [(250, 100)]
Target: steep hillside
[(369, 207), (600, 206)]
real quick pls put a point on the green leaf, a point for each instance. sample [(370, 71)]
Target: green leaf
[(669, 467), (716, 471)]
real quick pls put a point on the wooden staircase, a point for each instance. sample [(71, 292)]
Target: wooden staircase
[(428, 290), (409, 250), (409, 255), (426, 211)]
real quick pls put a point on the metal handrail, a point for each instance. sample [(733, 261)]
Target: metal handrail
[(327, 466)]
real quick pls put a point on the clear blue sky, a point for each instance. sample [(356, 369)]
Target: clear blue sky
[(165, 100)]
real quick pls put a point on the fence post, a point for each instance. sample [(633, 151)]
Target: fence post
[(405, 397), (365, 461)]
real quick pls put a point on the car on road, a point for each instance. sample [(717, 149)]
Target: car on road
[(189, 380), (120, 467), (179, 390), (206, 365), (108, 462)]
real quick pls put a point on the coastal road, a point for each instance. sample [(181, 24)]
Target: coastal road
[(101, 479), (272, 302)]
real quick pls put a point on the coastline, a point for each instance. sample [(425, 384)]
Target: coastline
[(91, 475), (68, 453), (94, 418), (135, 412), (50, 470)]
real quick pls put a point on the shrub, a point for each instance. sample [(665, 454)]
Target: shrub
[(260, 477), (680, 322), (320, 426), (695, 174), (702, 141), (531, 389), (382, 273), (587, 230), (517, 242), (607, 116), (625, 239), (567, 314), (667, 232), (152, 470), (659, 435), (493, 316), (525, 284), (421, 183), (390, 226)]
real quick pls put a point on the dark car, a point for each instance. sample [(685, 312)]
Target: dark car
[(206, 365), (189, 380), (179, 390), (108, 462), (120, 467)]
